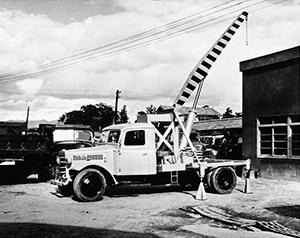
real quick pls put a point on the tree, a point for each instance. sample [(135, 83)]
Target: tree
[(228, 113), (97, 116), (73, 117), (123, 117), (238, 114), (151, 110)]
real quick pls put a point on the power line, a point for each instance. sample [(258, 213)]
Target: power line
[(117, 43), (175, 28), (109, 49)]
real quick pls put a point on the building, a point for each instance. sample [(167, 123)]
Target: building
[(233, 126), (203, 113), (271, 114)]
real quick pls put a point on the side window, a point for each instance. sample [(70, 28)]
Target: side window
[(113, 136), (135, 138)]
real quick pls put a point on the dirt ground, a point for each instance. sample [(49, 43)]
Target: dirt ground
[(38, 210)]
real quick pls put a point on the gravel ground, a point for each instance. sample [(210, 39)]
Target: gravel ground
[(39, 210)]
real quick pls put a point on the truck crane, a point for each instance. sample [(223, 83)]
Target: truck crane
[(150, 150)]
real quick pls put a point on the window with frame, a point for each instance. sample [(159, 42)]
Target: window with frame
[(279, 136), (133, 138)]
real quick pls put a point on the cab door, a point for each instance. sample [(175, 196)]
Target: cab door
[(133, 157)]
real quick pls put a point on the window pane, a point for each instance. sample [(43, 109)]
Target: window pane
[(266, 131), (266, 151), (265, 120), (280, 130), (278, 120), (266, 137), (280, 137), (280, 144), (296, 151), (266, 144), (266, 140), (280, 140), (296, 130), (295, 140), (135, 138), (113, 136), (280, 151), (295, 118)]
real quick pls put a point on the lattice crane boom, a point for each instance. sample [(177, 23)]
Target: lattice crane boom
[(200, 71)]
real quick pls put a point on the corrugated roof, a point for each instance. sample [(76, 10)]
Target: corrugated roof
[(218, 124), (204, 111), (207, 111)]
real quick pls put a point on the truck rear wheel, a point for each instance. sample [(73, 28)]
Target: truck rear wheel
[(222, 180), (89, 185)]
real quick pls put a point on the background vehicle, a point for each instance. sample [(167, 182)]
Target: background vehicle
[(34, 151), (227, 146)]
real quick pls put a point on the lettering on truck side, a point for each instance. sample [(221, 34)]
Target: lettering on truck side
[(89, 157)]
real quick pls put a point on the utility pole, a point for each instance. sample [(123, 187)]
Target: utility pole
[(116, 106), (27, 117)]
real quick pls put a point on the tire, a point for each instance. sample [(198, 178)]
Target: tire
[(89, 185), (208, 180), (222, 180), (189, 180)]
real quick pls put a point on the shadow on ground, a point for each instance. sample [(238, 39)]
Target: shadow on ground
[(10, 175), (288, 211), (29, 230), (12, 180), (133, 191)]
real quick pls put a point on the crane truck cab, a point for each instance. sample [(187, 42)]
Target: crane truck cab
[(124, 149)]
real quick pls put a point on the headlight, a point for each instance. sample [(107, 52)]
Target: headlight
[(57, 160), (62, 159), (68, 161)]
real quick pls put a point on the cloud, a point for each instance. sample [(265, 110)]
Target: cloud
[(148, 75), (30, 86)]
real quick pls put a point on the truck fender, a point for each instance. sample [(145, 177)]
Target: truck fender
[(110, 179)]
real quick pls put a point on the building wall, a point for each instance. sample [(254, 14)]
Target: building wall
[(270, 90)]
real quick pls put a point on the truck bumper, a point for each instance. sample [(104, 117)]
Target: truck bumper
[(62, 177), (58, 182)]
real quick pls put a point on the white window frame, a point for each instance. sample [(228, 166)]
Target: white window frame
[(273, 125)]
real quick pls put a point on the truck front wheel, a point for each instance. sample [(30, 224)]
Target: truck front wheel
[(222, 180), (89, 185)]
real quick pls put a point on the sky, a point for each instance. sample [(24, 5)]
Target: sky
[(36, 32)]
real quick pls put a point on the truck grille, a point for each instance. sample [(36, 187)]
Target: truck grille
[(62, 167)]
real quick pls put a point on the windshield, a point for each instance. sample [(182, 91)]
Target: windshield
[(109, 136), (72, 134)]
